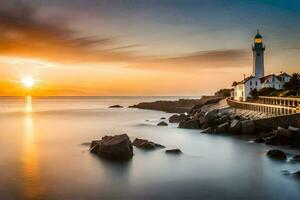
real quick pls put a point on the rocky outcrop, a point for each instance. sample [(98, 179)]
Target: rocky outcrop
[(173, 151), (179, 106), (145, 144), (118, 147), (189, 124), (162, 123), (222, 128), (177, 118), (116, 106), (276, 154), (235, 126)]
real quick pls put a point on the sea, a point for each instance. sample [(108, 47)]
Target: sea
[(44, 155)]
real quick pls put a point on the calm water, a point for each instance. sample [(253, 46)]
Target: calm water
[(42, 156)]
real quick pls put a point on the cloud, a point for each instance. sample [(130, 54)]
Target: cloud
[(225, 58), (24, 33)]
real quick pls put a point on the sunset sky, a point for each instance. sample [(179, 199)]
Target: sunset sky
[(141, 47)]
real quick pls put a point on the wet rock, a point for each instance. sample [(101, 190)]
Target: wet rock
[(190, 124), (284, 132), (296, 158), (294, 129), (235, 126), (247, 127), (177, 118), (259, 140), (278, 139), (162, 123), (297, 174), (116, 106), (173, 151), (276, 154), (222, 128), (145, 144), (118, 147), (208, 130)]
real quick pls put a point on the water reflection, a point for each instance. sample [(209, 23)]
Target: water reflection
[(31, 185)]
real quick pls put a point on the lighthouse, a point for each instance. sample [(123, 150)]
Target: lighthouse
[(258, 49)]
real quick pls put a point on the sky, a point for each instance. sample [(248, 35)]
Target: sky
[(141, 47)]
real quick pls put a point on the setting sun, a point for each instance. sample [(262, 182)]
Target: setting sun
[(28, 82)]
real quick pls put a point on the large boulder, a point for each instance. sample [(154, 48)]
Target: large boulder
[(118, 147), (222, 128), (177, 118), (190, 124), (276, 154), (162, 123), (247, 127), (235, 126), (145, 144)]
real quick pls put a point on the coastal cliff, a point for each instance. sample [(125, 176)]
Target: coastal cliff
[(179, 106)]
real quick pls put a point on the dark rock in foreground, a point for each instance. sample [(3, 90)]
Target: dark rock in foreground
[(116, 106), (145, 144), (173, 151), (277, 154), (162, 124), (118, 147)]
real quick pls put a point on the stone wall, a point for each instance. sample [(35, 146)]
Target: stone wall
[(268, 124)]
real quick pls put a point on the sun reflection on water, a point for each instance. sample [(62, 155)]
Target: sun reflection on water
[(31, 185)]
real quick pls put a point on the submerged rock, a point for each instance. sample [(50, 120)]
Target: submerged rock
[(116, 106), (145, 144), (277, 154), (173, 151), (118, 147), (162, 123)]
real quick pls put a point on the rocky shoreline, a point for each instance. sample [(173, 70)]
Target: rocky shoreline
[(179, 106)]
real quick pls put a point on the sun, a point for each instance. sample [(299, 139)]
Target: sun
[(28, 82)]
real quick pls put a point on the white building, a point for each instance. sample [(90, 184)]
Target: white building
[(258, 80)]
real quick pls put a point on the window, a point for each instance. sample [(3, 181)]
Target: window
[(273, 85), (256, 83), (258, 54), (273, 79), (250, 83)]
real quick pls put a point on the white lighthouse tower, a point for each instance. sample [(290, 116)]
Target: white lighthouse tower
[(258, 56)]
